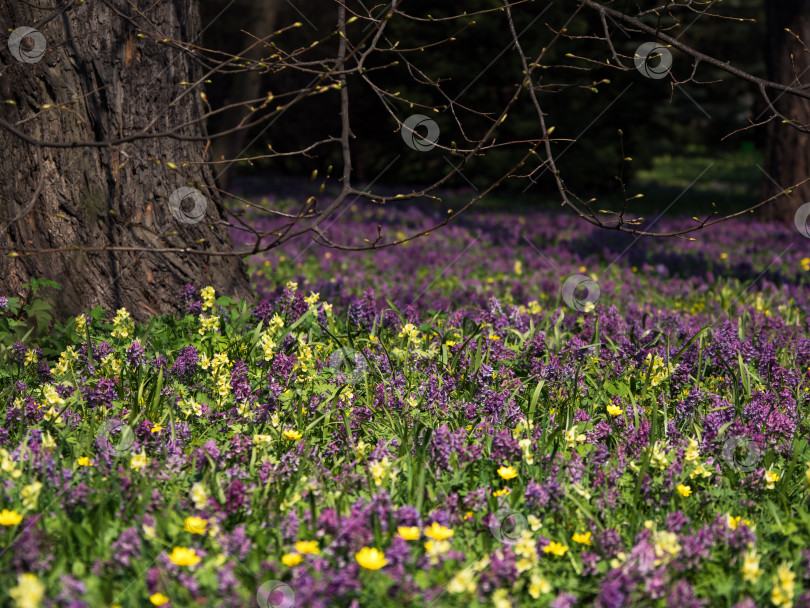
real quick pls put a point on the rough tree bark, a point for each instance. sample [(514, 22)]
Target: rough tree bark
[(102, 81), (788, 150)]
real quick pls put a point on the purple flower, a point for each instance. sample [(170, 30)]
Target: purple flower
[(187, 301), (564, 600), (126, 546), (135, 353), (185, 365)]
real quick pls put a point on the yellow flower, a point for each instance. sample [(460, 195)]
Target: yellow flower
[(500, 599), (502, 492), (538, 585), (507, 472), (410, 332), (701, 471), (158, 599), (438, 532), (123, 324), (9, 518), (464, 580), (784, 586), (684, 490), (666, 544), (409, 532), (583, 538), (370, 558), (139, 461), (750, 568), (771, 477), (182, 556), (48, 441), (259, 439), (30, 495), (379, 469), (195, 525), (291, 559), (558, 549), (518, 267), (435, 548), (156, 428), (29, 591), (526, 549), (305, 547), (733, 522), (198, 495), (84, 461), (208, 296), (614, 410), (292, 435)]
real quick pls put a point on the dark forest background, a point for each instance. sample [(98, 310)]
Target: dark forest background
[(664, 128)]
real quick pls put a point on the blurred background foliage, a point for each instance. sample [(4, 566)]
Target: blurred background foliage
[(664, 127)]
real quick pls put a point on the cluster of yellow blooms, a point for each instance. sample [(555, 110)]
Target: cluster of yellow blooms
[(139, 461), (67, 357), (784, 586), (659, 457), (750, 568), (208, 295), (29, 591), (208, 324), (572, 437), (220, 366), (305, 362), (302, 547), (9, 466), (660, 369), (381, 469), (268, 339), (189, 406), (198, 495), (410, 332), (123, 325)]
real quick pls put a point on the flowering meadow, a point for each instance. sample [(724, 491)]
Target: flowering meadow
[(426, 425)]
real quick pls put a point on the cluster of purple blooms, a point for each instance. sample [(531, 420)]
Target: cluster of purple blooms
[(652, 450)]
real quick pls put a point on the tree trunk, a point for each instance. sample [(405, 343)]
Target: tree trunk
[(102, 81), (788, 150)]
